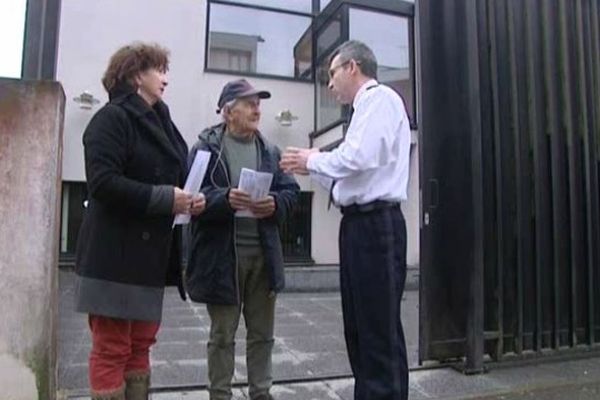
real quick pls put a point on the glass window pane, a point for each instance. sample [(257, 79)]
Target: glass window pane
[(328, 108), (292, 5), (324, 3), (329, 35), (303, 56), (328, 38), (256, 41), (12, 25), (393, 54)]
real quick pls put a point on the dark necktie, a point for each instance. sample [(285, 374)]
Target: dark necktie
[(330, 202)]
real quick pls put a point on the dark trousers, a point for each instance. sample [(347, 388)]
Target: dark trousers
[(372, 277)]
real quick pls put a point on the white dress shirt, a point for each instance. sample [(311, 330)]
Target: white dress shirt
[(372, 161)]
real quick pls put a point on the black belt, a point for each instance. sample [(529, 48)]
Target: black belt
[(368, 207)]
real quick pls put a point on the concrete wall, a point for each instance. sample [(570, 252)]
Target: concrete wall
[(31, 116)]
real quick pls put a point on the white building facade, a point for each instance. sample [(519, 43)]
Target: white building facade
[(278, 45)]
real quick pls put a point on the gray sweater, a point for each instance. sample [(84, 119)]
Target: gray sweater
[(242, 153)]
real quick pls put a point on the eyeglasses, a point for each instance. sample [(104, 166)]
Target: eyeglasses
[(333, 70)]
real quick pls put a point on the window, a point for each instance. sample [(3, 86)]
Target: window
[(253, 41), (329, 109), (303, 56), (393, 54), (324, 4), (74, 200), (389, 33), (296, 232), (233, 52), (329, 37), (12, 26)]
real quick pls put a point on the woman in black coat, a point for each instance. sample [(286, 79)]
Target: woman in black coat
[(128, 251)]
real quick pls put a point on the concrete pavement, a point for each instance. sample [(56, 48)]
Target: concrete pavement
[(309, 340), (309, 360)]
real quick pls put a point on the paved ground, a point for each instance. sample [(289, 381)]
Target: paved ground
[(309, 339), (309, 361), (571, 380)]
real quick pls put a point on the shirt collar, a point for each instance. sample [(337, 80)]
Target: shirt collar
[(367, 85)]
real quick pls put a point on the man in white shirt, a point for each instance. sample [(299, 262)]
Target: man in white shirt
[(369, 170)]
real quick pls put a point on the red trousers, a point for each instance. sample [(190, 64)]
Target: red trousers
[(120, 348)]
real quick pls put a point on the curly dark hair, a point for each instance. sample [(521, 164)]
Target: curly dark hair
[(132, 59)]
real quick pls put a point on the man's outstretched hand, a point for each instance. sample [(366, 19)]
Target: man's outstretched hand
[(295, 159)]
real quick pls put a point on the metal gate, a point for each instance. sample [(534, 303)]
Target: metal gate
[(510, 125)]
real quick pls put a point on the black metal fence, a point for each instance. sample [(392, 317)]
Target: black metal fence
[(541, 126), (527, 89)]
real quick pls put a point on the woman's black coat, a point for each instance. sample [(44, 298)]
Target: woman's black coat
[(127, 250)]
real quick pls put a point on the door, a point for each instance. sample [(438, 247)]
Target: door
[(451, 291)]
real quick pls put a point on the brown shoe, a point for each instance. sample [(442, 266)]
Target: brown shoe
[(137, 386), (264, 397), (118, 394)]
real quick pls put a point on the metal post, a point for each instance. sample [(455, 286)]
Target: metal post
[(40, 49), (475, 326)]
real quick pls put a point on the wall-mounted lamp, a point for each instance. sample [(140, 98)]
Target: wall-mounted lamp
[(86, 100), (285, 118)]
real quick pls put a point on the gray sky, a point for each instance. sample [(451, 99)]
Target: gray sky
[(12, 20)]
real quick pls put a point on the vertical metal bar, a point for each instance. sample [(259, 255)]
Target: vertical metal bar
[(207, 35), (50, 43), (587, 66), (487, 132), (411, 49), (498, 169), (40, 47), (551, 77), (584, 127), (423, 18), (345, 35), (475, 326), (33, 40), (592, 153), (572, 144), (308, 225), (345, 19), (534, 65), (314, 66), (521, 218)]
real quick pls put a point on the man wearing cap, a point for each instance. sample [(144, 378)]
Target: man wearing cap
[(236, 264)]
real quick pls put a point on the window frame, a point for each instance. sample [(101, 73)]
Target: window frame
[(389, 7), (320, 20), (258, 8), (321, 23)]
